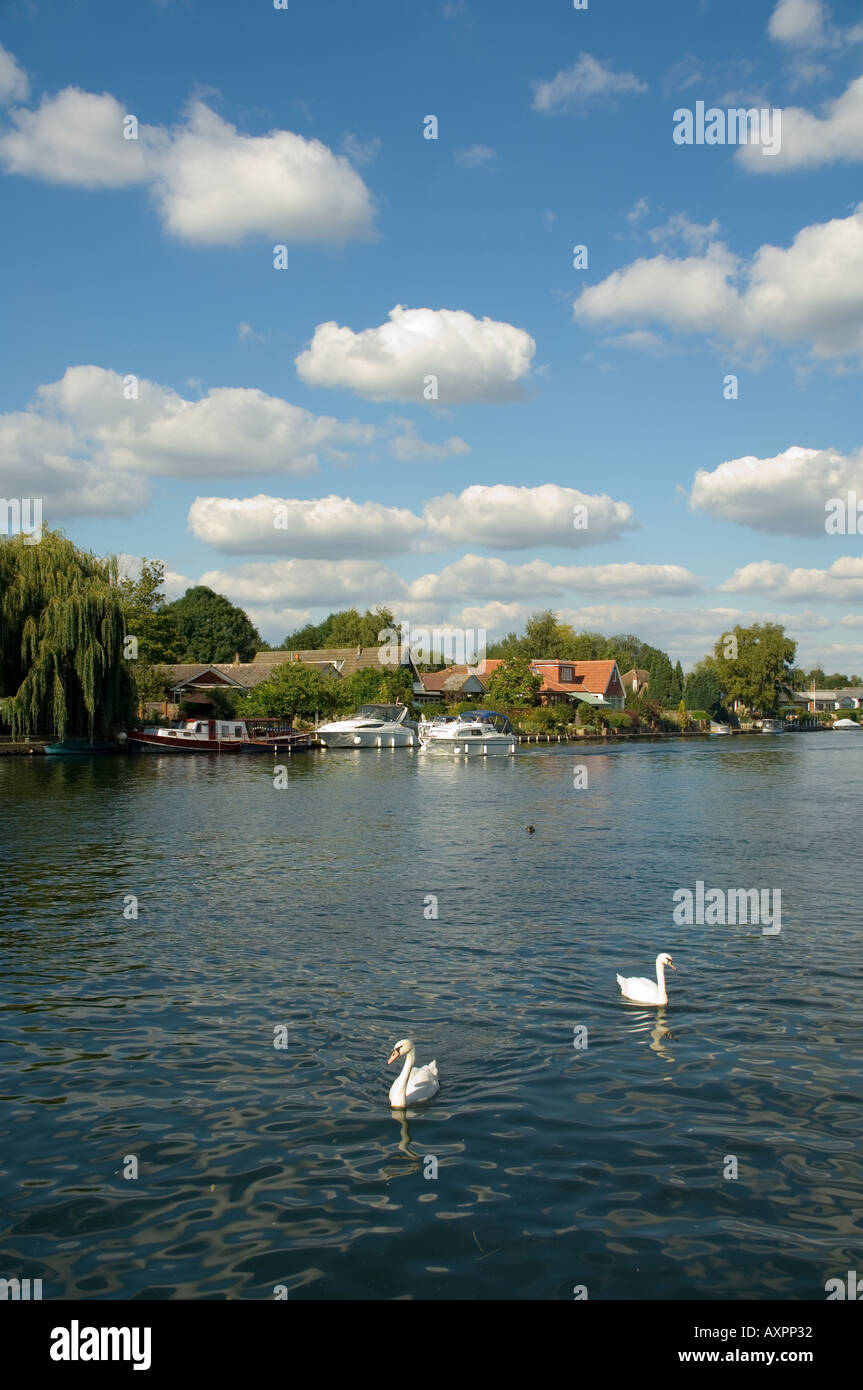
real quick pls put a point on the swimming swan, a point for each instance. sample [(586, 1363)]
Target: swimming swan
[(413, 1083), (645, 991)]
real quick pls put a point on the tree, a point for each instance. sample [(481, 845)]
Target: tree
[(514, 683), (211, 628), (544, 636), (148, 617), (764, 656), (702, 690), (294, 690), (62, 670), (679, 678), (664, 689), (348, 628)]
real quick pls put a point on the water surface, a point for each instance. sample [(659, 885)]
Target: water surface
[(309, 908)]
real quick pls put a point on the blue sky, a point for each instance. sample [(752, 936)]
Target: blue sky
[(557, 386)]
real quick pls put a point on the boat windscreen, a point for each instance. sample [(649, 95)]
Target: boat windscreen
[(389, 712)]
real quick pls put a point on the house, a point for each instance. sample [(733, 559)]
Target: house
[(635, 680), (345, 660), (847, 697), (192, 683), (453, 683), (583, 682)]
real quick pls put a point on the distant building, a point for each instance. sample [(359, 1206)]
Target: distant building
[(579, 682), (635, 680)]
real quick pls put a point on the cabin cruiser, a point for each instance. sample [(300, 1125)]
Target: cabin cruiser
[(475, 732), (773, 726), (191, 736), (373, 726), (719, 728)]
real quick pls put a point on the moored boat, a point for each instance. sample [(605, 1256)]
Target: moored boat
[(80, 747), (472, 733), (717, 728), (193, 736), (773, 726), (373, 726)]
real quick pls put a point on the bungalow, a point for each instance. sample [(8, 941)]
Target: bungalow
[(847, 697), (345, 660), (192, 684), (583, 682)]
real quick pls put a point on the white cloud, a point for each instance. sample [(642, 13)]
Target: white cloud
[(77, 138), (810, 292), (342, 583), (784, 495), (407, 447), (474, 577), (83, 447), (587, 82), (637, 211), (475, 157), (325, 528), (211, 184), (214, 185), (799, 22), (514, 518), (842, 582), (472, 359), (678, 230), (14, 85), (332, 527), (809, 141), (247, 334)]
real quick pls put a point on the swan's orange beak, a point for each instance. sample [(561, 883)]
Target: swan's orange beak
[(396, 1054), (673, 966)]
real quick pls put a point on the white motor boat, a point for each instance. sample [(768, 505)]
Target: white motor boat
[(773, 726), (717, 728), (473, 733), (845, 724), (373, 726)]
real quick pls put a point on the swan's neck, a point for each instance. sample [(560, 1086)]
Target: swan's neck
[(402, 1083), (660, 980)]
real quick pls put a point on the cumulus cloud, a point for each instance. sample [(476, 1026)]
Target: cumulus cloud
[(799, 22), (584, 84), (679, 230), (85, 448), (842, 582), (327, 527), (514, 518), (340, 583), (476, 576), (511, 518), (784, 495), (211, 184), (810, 292), (685, 633), (14, 85), (472, 359), (809, 140)]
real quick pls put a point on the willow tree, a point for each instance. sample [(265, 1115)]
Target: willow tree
[(61, 639)]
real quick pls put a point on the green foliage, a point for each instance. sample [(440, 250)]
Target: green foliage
[(702, 690), (294, 691), (514, 683), (148, 617), (212, 629), (149, 682), (61, 640), (762, 664), (348, 628), (682, 715)]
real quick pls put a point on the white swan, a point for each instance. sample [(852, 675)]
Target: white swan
[(413, 1083), (645, 991)]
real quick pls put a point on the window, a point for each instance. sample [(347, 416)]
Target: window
[(567, 674)]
